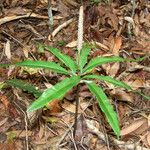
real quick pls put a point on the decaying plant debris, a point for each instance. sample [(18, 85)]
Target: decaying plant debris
[(114, 28)]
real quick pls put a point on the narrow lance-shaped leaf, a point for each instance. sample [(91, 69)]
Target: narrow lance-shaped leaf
[(24, 86), (5, 65), (116, 83), (55, 92), (43, 64), (105, 106), (102, 60), (83, 56), (145, 96), (67, 60), (110, 80)]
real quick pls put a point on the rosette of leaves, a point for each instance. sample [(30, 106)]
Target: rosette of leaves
[(76, 73)]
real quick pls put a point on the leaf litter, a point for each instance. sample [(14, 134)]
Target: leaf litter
[(106, 26)]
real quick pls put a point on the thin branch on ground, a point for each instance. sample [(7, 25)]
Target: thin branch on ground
[(120, 144), (50, 16), (131, 25), (26, 125), (65, 24), (65, 134)]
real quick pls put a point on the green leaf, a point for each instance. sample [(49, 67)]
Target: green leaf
[(83, 56), (64, 58), (24, 86), (145, 96), (110, 80), (102, 60), (105, 106), (41, 47), (116, 83), (55, 92), (43, 64), (5, 65)]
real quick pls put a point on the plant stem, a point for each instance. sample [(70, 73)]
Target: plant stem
[(76, 111)]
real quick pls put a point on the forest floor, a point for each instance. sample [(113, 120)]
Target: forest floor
[(119, 28)]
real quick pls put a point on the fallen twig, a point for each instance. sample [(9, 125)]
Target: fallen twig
[(61, 27), (50, 16), (121, 144), (27, 15)]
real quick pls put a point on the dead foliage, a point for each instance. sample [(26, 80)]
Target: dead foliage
[(120, 28)]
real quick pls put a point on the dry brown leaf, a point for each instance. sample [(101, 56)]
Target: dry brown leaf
[(26, 51), (2, 122), (41, 131), (122, 110), (20, 133), (85, 94), (72, 44), (117, 45), (5, 101), (114, 69), (143, 129), (48, 85), (137, 84), (122, 95), (101, 45), (114, 21), (7, 146), (70, 107), (54, 106), (133, 127), (7, 49), (70, 2), (148, 138)]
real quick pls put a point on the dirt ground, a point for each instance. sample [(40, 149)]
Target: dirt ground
[(113, 27)]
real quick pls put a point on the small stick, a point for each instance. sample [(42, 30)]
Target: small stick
[(26, 126), (61, 27), (130, 26), (50, 16), (76, 112), (119, 143)]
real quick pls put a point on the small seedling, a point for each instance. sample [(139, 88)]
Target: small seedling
[(76, 73)]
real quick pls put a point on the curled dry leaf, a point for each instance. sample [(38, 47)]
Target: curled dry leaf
[(7, 49), (130, 20), (72, 44), (137, 124), (100, 45)]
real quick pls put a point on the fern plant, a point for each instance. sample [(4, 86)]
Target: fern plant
[(76, 73)]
